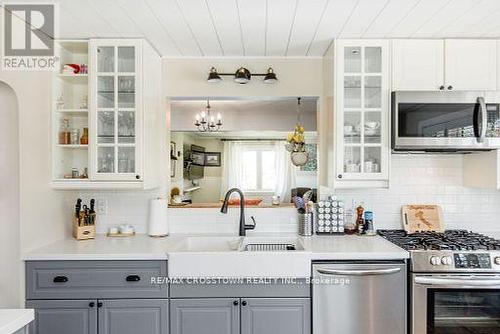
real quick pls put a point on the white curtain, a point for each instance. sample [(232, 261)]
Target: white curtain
[(231, 167), (285, 173)]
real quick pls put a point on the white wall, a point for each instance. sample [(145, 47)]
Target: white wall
[(10, 238), (186, 77), (44, 213)]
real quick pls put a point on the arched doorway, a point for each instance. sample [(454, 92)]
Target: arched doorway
[(9, 198)]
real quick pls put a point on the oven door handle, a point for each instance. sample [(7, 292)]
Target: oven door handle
[(359, 272), (484, 119), (457, 281)]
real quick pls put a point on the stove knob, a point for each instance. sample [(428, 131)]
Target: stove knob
[(435, 260), (446, 261), (497, 260)]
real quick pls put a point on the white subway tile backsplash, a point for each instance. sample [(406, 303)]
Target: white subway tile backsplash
[(427, 179)]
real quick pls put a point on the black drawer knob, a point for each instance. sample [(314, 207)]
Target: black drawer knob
[(450, 87), (244, 303), (235, 303), (137, 177), (441, 87), (91, 304), (99, 304), (133, 278), (339, 176), (60, 279)]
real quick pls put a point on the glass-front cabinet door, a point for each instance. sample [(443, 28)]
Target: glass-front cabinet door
[(362, 110), (116, 110)]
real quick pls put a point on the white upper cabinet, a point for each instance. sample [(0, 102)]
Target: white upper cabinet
[(361, 115), (451, 65), (124, 117), (418, 65), (471, 64)]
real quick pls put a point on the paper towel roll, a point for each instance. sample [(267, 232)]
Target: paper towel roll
[(158, 220)]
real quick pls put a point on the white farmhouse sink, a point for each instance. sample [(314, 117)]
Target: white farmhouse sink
[(210, 244), (231, 257)]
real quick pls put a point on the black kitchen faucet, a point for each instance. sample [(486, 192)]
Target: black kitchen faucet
[(243, 227)]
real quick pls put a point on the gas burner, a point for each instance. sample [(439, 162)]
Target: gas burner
[(450, 240)]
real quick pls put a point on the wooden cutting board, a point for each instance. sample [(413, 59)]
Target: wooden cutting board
[(418, 218)]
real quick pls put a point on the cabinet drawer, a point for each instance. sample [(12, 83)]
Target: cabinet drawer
[(94, 279)]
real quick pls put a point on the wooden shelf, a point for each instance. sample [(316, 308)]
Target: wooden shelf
[(73, 146)]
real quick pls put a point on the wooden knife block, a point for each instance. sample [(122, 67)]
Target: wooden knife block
[(83, 232)]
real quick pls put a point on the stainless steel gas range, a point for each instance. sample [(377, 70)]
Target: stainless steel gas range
[(455, 281)]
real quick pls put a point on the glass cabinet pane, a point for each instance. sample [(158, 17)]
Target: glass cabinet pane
[(352, 159), (126, 59), (352, 59), (105, 159), (126, 92), (352, 124), (126, 127), (105, 92), (372, 159), (126, 160), (373, 60), (372, 127), (373, 92), (105, 59), (352, 91), (105, 127)]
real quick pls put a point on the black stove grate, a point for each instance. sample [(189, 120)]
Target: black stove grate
[(448, 240)]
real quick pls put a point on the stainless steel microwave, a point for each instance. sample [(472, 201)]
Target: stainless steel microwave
[(444, 122)]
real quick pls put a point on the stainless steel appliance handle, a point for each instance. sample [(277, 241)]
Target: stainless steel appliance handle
[(484, 119), (359, 272), (457, 281)]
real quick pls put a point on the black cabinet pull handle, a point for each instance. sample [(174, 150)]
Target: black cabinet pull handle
[(137, 177), (99, 304), (441, 87), (244, 303), (450, 87), (133, 278), (339, 176), (91, 304), (60, 279), (235, 303)]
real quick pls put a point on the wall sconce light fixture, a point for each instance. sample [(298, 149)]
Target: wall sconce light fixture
[(243, 76)]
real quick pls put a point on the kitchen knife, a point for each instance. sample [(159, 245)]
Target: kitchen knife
[(78, 207), (92, 205)]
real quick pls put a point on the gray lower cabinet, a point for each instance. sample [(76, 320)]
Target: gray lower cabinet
[(63, 316), (133, 316), (204, 316), (240, 315), (275, 316), (121, 316)]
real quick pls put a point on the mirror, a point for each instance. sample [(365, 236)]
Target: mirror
[(250, 151)]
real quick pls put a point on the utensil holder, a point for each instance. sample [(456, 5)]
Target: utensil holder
[(305, 224), (84, 232)]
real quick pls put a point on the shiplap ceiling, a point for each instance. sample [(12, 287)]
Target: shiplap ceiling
[(226, 28)]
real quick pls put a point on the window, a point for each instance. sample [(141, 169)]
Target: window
[(258, 168)]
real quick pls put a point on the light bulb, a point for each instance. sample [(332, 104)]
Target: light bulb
[(197, 117), (212, 119), (219, 116), (203, 114)]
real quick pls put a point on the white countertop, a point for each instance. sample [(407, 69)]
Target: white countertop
[(353, 247), (12, 320), (143, 247)]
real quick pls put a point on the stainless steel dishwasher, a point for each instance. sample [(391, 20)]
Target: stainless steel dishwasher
[(359, 298)]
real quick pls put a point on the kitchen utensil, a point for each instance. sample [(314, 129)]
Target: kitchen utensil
[(299, 202), (78, 207), (418, 218)]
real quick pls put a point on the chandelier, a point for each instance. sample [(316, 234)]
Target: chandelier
[(206, 122)]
